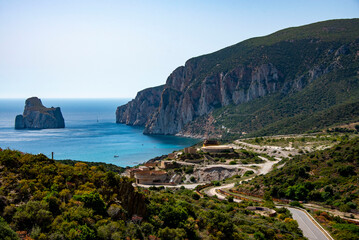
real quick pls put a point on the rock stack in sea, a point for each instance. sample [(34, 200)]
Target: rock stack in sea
[(37, 116)]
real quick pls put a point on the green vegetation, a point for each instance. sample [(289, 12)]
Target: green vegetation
[(297, 142), (6, 232), (51, 200), (339, 228), (176, 214), (328, 177), (281, 48), (101, 165), (317, 85), (46, 199), (248, 173)]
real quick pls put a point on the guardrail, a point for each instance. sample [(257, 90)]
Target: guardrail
[(200, 187), (236, 196), (315, 222), (286, 201)]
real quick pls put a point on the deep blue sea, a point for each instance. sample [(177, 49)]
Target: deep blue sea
[(91, 134)]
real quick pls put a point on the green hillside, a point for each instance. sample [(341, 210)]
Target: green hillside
[(45, 199), (318, 70), (328, 177), (286, 48)]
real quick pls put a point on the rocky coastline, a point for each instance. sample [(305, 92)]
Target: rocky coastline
[(236, 75)]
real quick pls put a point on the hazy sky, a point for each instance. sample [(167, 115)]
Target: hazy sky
[(112, 49)]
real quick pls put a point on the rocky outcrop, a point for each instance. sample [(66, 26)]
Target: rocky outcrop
[(37, 116), (139, 111), (282, 63), (180, 105), (181, 101)]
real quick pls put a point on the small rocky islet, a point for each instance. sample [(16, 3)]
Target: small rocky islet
[(37, 116)]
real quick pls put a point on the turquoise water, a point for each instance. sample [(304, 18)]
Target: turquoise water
[(91, 134)]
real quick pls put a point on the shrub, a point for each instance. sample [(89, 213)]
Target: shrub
[(6, 232), (248, 173), (92, 200), (172, 233), (295, 204), (195, 196)]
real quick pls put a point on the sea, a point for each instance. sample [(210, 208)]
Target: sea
[(90, 134)]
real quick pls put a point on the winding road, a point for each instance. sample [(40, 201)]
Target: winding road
[(311, 229), (308, 225)]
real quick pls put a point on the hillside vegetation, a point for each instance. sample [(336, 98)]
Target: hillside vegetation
[(296, 80), (329, 177), (51, 200), (44, 199)]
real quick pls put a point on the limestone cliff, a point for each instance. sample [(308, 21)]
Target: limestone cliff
[(281, 64), (37, 116), (180, 105), (138, 111)]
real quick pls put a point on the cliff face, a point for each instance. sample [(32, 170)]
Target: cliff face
[(37, 116), (282, 63), (138, 111), (181, 103)]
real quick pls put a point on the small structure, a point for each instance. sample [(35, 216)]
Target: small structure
[(172, 155), (190, 150), (217, 149), (168, 165), (151, 165), (210, 143), (150, 177)]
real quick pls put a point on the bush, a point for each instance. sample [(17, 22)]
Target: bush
[(295, 204), (248, 173), (172, 233), (6, 232), (94, 201), (172, 216), (32, 213), (195, 196), (189, 170), (346, 171), (216, 183)]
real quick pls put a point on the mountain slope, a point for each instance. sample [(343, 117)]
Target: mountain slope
[(296, 72), (329, 177), (43, 199), (51, 199)]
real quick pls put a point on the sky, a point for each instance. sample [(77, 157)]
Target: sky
[(113, 49)]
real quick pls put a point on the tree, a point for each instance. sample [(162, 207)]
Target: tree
[(6, 232), (32, 213), (173, 215), (172, 234), (94, 201)]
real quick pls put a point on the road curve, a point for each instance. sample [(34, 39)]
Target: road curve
[(309, 228)]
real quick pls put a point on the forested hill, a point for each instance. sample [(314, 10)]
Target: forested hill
[(297, 79), (328, 177), (44, 199), (51, 200)]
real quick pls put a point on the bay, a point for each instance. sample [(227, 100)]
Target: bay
[(91, 134)]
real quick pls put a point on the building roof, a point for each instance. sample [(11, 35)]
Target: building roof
[(150, 173), (218, 147)]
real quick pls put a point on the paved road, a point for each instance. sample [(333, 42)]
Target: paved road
[(310, 230), (188, 186)]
